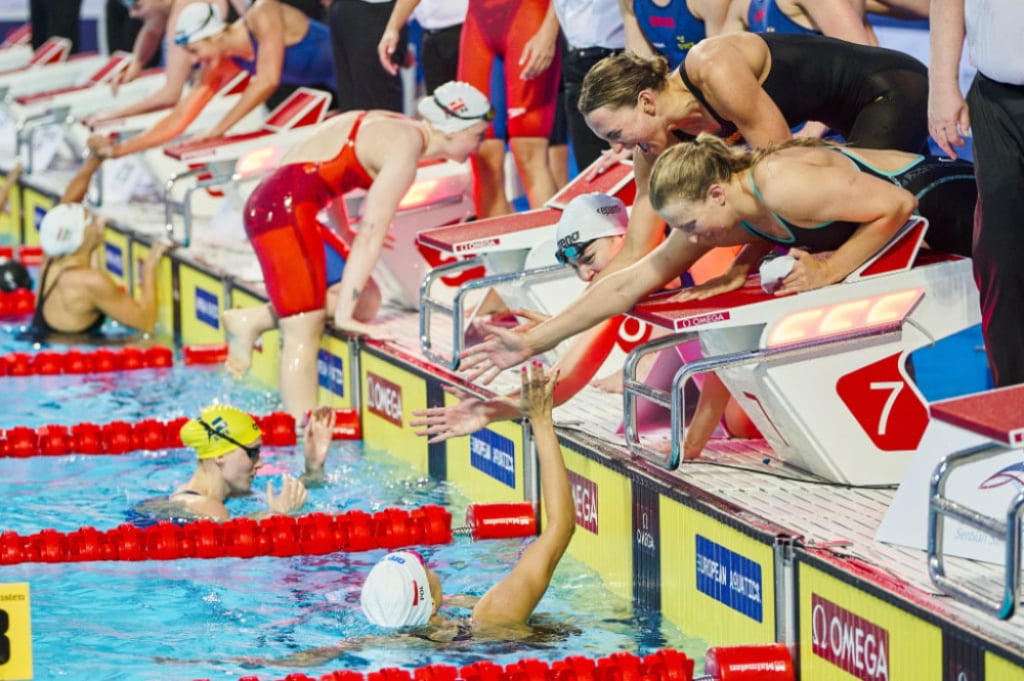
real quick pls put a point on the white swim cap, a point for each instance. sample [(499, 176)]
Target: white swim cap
[(589, 217), (198, 21), (455, 106), (63, 228), (396, 592)]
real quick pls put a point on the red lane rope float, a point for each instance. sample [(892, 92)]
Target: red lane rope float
[(101, 360), (17, 303), (205, 354), (770, 662), (121, 437), (279, 535), (663, 665)]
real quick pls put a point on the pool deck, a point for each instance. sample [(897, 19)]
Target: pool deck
[(737, 547)]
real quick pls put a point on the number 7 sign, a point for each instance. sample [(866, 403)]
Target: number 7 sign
[(885, 405)]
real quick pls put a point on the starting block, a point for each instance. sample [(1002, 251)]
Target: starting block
[(218, 166), (122, 178), (997, 416), (516, 249), (54, 114), (17, 53), (821, 374)]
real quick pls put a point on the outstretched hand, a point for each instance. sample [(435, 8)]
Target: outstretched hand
[(731, 280), (537, 397), (500, 350), (608, 159), (443, 423), (317, 437), (291, 498)]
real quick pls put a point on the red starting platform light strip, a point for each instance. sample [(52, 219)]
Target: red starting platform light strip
[(101, 360), (278, 535), (121, 437)]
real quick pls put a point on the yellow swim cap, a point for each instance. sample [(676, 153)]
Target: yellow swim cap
[(221, 418)]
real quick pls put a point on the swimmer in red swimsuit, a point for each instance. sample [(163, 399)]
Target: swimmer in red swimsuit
[(377, 151)]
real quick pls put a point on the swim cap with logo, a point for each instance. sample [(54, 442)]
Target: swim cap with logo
[(221, 418)]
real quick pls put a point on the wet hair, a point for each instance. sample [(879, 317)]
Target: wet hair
[(618, 80), (686, 171)]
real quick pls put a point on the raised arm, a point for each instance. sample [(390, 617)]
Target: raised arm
[(79, 184), (138, 314), (513, 599)]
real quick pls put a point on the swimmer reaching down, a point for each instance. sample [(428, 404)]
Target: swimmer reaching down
[(374, 150), (227, 443)]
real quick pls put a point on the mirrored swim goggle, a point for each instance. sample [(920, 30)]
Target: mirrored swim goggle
[(253, 452), (568, 255), (487, 116)]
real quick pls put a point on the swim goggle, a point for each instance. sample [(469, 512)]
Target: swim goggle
[(486, 116), (571, 253), (253, 452)]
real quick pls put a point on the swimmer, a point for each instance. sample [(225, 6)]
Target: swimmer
[(374, 150), (75, 295), (402, 592), (227, 443), (712, 195), (274, 42)]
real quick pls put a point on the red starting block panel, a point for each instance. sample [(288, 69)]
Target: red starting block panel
[(726, 308), (502, 233), (192, 148), (997, 414), (616, 181)]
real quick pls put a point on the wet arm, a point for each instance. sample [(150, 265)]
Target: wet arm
[(645, 226), (79, 184)]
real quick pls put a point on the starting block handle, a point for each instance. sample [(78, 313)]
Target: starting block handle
[(676, 400), (456, 311), (1009, 531)]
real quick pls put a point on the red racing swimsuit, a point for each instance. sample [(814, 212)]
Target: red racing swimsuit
[(280, 219), (501, 28)]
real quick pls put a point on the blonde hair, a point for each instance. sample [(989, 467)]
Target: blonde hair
[(618, 80), (686, 171)]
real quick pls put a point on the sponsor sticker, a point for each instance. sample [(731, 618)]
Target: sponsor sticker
[(330, 371), (207, 308), (493, 455), (856, 645), (730, 578), (584, 496), (384, 398)]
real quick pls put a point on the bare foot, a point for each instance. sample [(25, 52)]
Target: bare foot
[(612, 383), (243, 327)]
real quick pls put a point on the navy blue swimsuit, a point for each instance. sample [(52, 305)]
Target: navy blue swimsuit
[(671, 30), (765, 16), (308, 62)]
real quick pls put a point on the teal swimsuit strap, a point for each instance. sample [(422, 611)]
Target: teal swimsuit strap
[(885, 173), (758, 233)]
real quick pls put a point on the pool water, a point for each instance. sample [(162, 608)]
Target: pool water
[(193, 619)]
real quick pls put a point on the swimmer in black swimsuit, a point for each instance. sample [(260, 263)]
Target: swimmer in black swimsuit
[(75, 297)]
